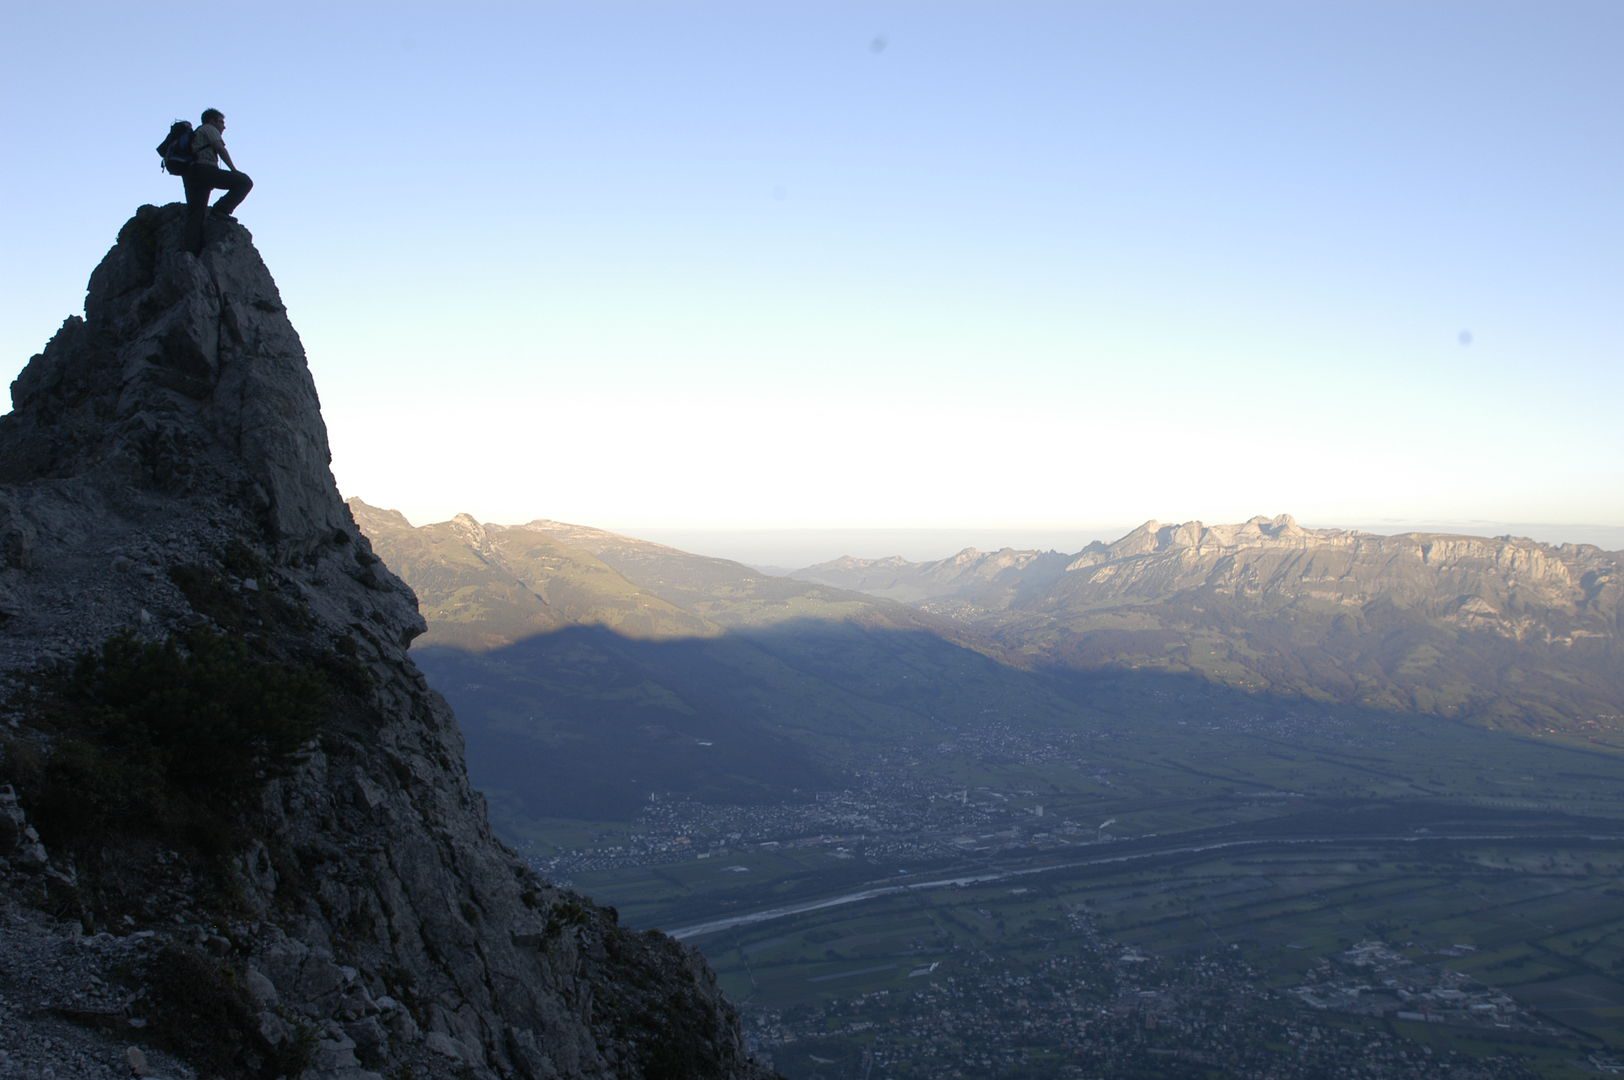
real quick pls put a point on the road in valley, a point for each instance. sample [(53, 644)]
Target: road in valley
[(877, 890)]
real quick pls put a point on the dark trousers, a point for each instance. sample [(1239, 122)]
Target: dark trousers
[(199, 181)]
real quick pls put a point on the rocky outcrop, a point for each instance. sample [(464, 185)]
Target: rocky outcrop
[(165, 473)]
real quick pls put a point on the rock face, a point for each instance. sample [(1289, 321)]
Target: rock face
[(165, 472), (1275, 561), (1503, 629), (1534, 588)]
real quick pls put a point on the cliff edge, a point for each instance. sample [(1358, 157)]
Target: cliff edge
[(236, 833)]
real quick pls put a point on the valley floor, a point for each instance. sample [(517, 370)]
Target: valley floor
[(1274, 897)]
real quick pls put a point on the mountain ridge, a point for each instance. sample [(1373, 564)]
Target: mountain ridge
[(1591, 578), (583, 575), (1506, 629)]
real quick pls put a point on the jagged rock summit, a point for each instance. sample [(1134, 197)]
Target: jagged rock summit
[(164, 477)]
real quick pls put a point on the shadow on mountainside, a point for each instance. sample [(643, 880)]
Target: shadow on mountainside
[(586, 723)]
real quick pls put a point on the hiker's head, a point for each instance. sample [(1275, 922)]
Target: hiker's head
[(215, 117)]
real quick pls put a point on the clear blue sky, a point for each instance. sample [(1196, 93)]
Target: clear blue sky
[(890, 265)]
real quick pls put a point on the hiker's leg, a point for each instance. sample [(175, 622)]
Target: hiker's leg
[(197, 186), (237, 185)]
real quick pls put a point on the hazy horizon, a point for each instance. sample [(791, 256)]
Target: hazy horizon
[(795, 548)]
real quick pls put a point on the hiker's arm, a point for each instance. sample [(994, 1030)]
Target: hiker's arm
[(218, 145)]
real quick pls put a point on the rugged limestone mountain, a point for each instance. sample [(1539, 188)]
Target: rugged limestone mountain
[(1503, 628), (1498, 583), (236, 825), (1517, 588)]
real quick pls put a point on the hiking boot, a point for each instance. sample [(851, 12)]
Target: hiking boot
[(227, 214)]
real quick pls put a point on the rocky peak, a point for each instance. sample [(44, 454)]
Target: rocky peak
[(1194, 537), (366, 515), (182, 369), (1146, 538), (471, 531), (164, 482)]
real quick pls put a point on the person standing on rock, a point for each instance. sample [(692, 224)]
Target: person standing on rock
[(204, 174)]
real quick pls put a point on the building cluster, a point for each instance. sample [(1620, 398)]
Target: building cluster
[(1374, 978), (1098, 1010)]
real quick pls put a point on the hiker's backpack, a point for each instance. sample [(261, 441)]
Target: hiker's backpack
[(176, 149)]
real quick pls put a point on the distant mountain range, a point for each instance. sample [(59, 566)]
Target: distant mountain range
[(1502, 630)]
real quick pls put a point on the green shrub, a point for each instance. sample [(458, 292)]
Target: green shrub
[(171, 740), (214, 720)]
